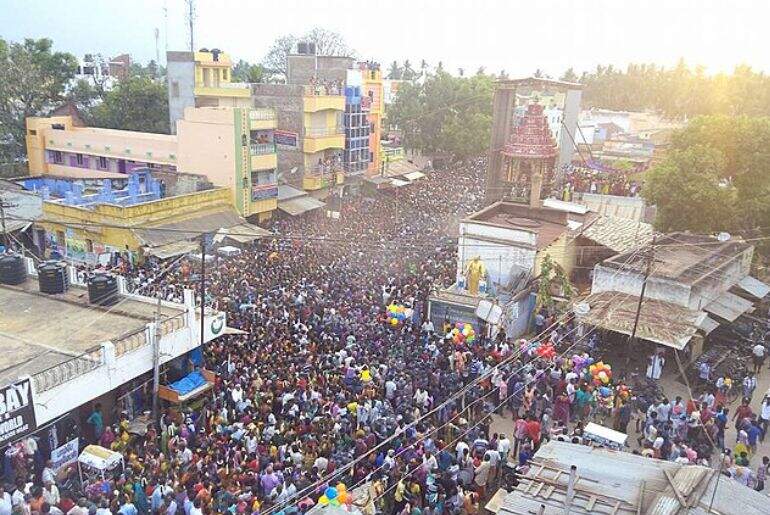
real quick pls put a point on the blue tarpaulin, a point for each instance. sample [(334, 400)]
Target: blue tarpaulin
[(188, 383)]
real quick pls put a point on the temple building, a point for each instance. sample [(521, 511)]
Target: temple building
[(522, 143), (529, 157)]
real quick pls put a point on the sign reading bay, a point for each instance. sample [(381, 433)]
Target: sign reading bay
[(17, 411)]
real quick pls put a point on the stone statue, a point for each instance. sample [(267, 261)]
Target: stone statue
[(474, 272)]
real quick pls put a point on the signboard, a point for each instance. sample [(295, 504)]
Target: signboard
[(264, 191), (17, 411), (65, 455), (286, 139)]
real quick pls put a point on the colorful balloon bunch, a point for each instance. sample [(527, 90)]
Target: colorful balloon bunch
[(397, 314), (623, 391), (580, 362), (336, 496), (601, 373), (546, 351), (463, 332)]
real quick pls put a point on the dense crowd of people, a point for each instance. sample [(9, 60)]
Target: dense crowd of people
[(322, 395), (587, 180)]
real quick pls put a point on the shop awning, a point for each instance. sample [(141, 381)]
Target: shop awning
[(728, 306), (661, 322), (286, 192), (171, 249), (754, 287), (189, 228), (708, 324), (299, 205), (242, 233), (413, 176)]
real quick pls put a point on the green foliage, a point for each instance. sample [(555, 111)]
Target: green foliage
[(677, 92), (715, 178), (136, 104), (551, 277), (33, 80), (247, 72), (445, 114)]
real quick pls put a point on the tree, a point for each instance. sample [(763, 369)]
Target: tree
[(408, 72), (326, 43), (137, 103), (277, 59), (569, 76), (445, 114), (33, 79), (247, 72), (395, 71), (689, 194)]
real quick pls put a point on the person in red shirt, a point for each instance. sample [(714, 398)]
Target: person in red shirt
[(533, 432), (742, 412)]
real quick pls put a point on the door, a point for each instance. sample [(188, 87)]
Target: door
[(122, 165)]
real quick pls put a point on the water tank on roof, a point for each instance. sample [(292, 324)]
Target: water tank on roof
[(12, 269), (103, 290), (52, 276)]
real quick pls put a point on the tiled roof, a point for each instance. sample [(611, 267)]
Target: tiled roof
[(619, 234)]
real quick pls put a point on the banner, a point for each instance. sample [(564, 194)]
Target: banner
[(17, 411), (286, 138), (64, 455)]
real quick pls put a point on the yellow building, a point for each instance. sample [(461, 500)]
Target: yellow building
[(373, 89), (94, 231), (232, 147)]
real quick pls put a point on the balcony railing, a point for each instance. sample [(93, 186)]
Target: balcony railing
[(262, 114), (322, 90), (321, 170), (261, 149), (324, 131), (63, 372)]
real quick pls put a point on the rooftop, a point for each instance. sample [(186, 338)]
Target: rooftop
[(41, 331), (547, 224), (625, 484), (682, 257), (619, 234)]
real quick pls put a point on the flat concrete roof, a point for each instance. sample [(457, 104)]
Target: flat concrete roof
[(39, 331)]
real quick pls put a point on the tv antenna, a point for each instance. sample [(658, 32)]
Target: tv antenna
[(191, 22)]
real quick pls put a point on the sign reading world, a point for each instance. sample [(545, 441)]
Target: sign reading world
[(17, 411)]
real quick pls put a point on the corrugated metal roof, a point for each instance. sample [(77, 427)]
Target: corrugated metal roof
[(24, 207), (728, 306), (286, 192), (659, 321), (754, 287), (708, 324), (162, 234), (612, 477), (619, 234), (299, 205)]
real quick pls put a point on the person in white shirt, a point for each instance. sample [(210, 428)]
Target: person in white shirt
[(6, 503), (48, 473), (503, 447), (237, 394), (764, 416), (51, 493), (758, 356)]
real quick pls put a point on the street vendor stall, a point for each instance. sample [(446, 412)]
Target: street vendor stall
[(604, 436), (95, 461), (189, 387)]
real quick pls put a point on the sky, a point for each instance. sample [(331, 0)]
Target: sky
[(514, 35)]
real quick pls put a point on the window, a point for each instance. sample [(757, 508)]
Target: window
[(102, 163), (175, 89), (57, 157), (33, 132), (79, 159)]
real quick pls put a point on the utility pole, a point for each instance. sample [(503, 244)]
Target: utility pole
[(649, 259), (203, 285), (156, 366), (191, 22)]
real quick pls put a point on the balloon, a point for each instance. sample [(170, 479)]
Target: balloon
[(465, 331), (341, 487), (468, 327), (455, 331), (331, 493), (470, 339), (323, 500), (393, 321), (459, 325), (342, 497)]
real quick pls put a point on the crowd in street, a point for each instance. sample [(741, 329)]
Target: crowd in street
[(322, 396), (586, 180)]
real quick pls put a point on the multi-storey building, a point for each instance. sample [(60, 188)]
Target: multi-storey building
[(373, 96), (356, 158), (232, 147)]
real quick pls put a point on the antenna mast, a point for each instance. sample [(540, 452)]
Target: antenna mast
[(191, 22)]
